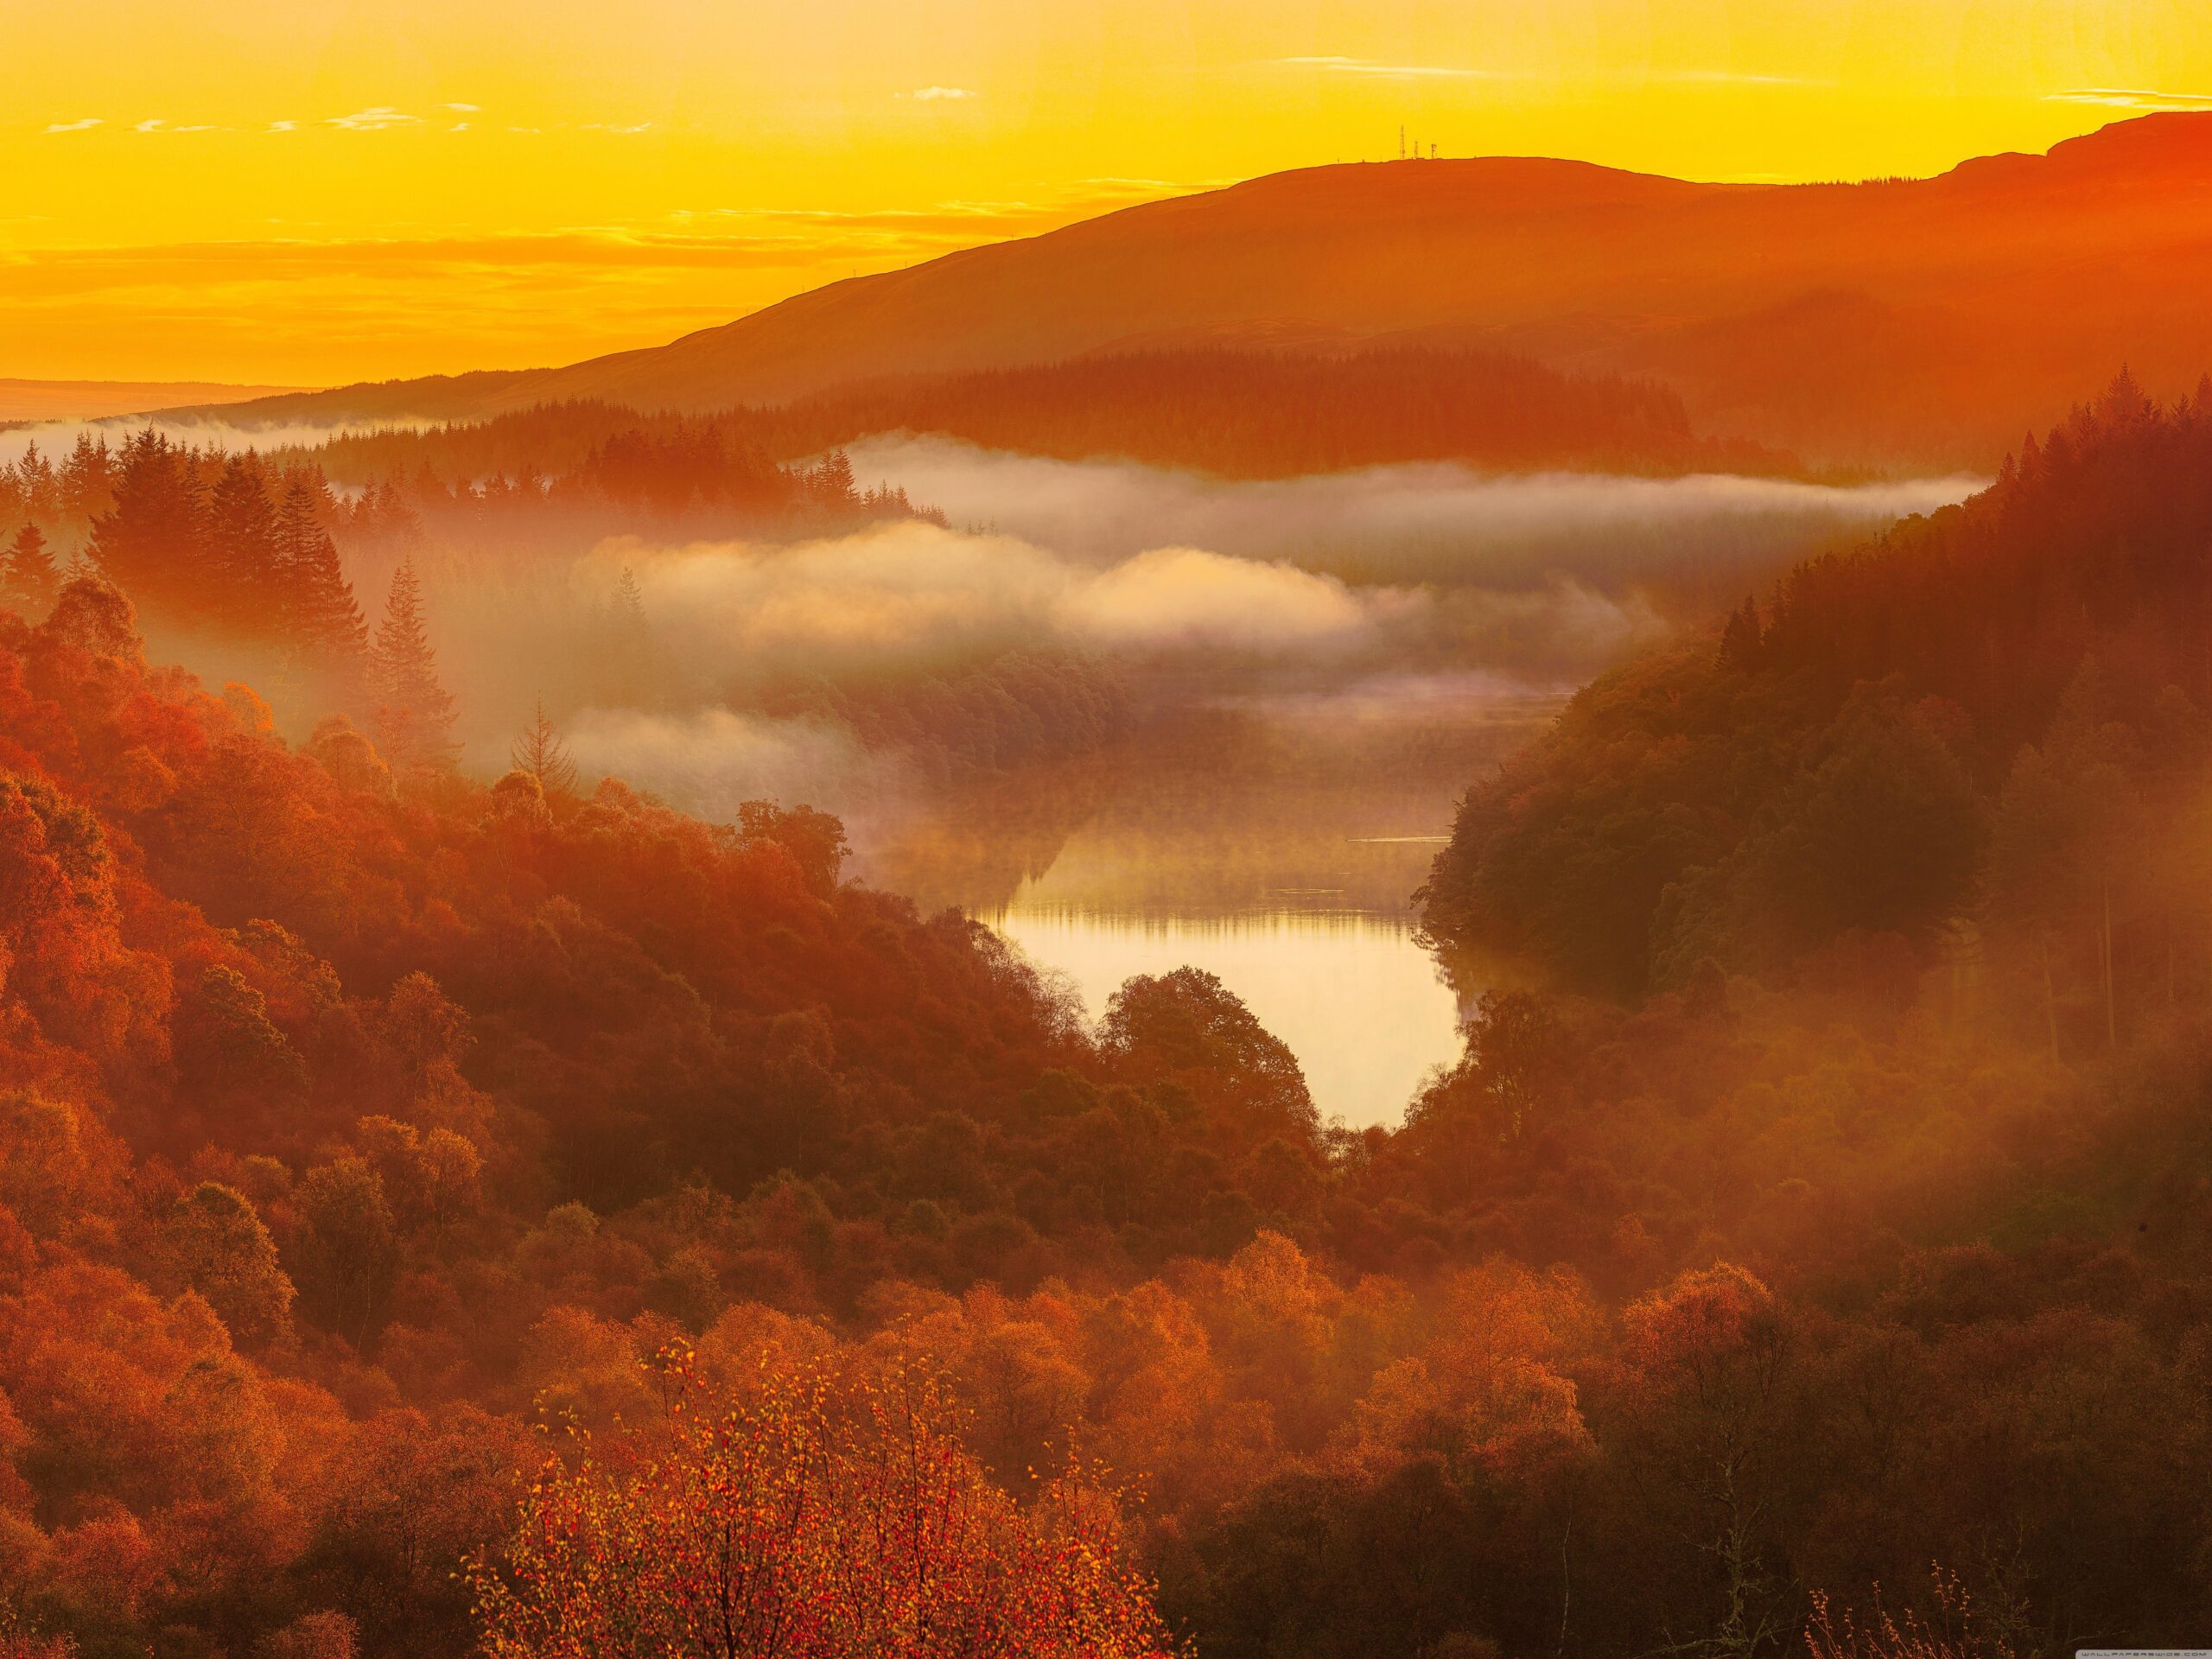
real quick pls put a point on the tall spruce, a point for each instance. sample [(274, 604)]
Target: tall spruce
[(415, 713), (321, 617), (27, 576), (87, 481), (627, 660), (152, 543), (241, 587)]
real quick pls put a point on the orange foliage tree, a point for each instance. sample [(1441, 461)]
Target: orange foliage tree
[(815, 1514)]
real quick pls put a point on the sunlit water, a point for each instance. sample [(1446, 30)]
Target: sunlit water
[(1357, 1001), (1278, 849)]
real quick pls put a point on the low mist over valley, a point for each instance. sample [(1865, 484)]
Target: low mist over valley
[(1444, 909)]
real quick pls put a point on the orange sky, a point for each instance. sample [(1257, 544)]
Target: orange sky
[(278, 191)]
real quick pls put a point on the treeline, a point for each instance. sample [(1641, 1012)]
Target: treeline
[(61, 500), (1243, 414), (353, 1116), (1237, 413), (207, 537), (595, 458), (1984, 735)]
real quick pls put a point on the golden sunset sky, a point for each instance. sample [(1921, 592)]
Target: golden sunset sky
[(277, 191)]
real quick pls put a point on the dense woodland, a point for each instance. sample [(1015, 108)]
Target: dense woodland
[(231, 539), (1234, 413), (1985, 731), (1837, 1232)]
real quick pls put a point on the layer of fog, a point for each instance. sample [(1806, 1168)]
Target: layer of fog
[(1397, 598), (1437, 522), (908, 595), (1401, 588)]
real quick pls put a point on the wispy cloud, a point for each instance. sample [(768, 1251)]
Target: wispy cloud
[(463, 109), (611, 126), (85, 125), (376, 118), (2132, 97), (940, 94), (283, 126), (1338, 66)]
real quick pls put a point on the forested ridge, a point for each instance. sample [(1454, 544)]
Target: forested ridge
[(1986, 726), (358, 1119), (1237, 413)]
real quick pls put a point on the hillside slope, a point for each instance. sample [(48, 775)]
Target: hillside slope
[(1986, 726), (1919, 320)]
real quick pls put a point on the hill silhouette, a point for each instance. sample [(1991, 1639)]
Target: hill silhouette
[(1895, 321)]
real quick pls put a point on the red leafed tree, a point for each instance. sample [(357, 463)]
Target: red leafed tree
[(819, 1513)]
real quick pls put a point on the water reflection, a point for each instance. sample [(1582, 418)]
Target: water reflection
[(1359, 1003), (1276, 847)]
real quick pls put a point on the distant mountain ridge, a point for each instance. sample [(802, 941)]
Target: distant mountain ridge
[(1915, 321), (93, 400)]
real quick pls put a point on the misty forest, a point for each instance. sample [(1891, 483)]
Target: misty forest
[(1300, 967)]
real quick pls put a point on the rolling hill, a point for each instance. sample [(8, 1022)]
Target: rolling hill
[(1900, 322)]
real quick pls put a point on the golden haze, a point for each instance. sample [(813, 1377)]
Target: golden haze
[(310, 194)]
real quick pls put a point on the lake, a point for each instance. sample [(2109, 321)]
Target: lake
[(1276, 848)]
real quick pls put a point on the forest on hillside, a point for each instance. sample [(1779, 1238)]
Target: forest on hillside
[(1235, 413), (440, 1214)]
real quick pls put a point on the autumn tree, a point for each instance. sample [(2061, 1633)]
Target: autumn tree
[(348, 1250), (217, 1245), (815, 839), (817, 1514), (1187, 1025), (1705, 1362)]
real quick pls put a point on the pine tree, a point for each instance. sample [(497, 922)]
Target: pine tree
[(627, 661), (321, 615), (415, 713), (27, 575), (1743, 641), (40, 484), (87, 482), (540, 752), (151, 543), (244, 563)]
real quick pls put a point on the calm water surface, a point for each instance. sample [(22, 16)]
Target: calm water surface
[(1279, 854), (1358, 1002)]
